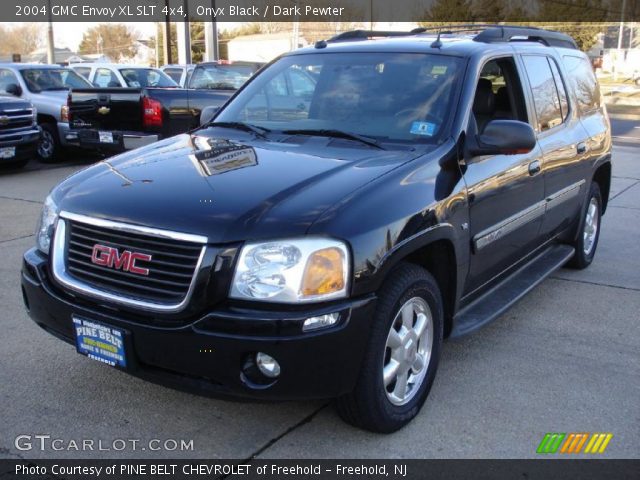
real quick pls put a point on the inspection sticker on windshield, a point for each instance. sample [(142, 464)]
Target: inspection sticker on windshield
[(423, 128), (99, 342)]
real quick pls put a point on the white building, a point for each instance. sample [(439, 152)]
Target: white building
[(262, 47)]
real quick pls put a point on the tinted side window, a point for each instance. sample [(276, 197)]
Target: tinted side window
[(583, 82), (106, 78), (545, 95), (562, 92), (84, 71)]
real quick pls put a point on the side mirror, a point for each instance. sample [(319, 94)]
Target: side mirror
[(13, 89), (207, 114), (505, 137)]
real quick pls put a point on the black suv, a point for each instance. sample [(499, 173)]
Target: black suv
[(352, 205)]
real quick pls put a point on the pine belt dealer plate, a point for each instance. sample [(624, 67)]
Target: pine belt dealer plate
[(7, 152), (100, 342)]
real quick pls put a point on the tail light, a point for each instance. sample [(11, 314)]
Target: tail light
[(151, 112)]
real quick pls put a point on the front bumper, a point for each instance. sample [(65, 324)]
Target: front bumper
[(25, 143), (208, 354)]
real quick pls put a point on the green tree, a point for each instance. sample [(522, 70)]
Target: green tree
[(112, 39)]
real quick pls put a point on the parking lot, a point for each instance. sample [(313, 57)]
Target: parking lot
[(565, 359)]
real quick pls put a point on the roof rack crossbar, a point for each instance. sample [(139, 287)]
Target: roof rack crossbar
[(365, 34), (487, 33)]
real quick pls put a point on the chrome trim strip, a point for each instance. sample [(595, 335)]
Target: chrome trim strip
[(127, 227), (508, 225), (529, 214), (59, 269), (565, 194)]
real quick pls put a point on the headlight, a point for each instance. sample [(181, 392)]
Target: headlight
[(45, 225), (292, 271)]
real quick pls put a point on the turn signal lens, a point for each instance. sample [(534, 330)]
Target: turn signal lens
[(324, 272)]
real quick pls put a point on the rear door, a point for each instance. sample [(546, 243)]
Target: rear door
[(563, 141)]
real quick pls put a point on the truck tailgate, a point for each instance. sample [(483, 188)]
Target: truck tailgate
[(106, 109)]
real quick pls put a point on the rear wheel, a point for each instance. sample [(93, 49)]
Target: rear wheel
[(49, 146), (588, 231), (402, 356)]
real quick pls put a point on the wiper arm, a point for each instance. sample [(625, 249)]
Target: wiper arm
[(247, 127), (337, 134)]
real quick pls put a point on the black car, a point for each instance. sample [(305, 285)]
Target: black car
[(19, 132), (408, 188)]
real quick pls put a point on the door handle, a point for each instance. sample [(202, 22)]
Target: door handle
[(534, 167), (581, 148)]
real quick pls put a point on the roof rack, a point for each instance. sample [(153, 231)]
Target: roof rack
[(487, 33)]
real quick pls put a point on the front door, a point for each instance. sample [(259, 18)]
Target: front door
[(506, 192)]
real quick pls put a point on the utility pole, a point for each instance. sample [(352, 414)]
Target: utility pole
[(166, 39), (51, 57)]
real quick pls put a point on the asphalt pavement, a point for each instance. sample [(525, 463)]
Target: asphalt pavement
[(564, 359)]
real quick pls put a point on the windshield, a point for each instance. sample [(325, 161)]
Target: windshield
[(220, 77), (385, 96), (44, 79), (146, 77)]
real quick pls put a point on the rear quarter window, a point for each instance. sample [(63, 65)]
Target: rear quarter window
[(583, 82)]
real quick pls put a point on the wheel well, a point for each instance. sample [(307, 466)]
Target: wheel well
[(43, 118), (439, 259), (603, 177)]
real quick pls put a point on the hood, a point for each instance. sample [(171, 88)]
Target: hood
[(8, 101), (228, 190)]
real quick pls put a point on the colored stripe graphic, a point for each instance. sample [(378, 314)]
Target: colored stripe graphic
[(550, 443), (598, 443), (573, 443)]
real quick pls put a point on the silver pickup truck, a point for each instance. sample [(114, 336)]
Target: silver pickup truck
[(47, 88)]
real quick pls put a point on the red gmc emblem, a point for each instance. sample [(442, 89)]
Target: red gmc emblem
[(125, 261)]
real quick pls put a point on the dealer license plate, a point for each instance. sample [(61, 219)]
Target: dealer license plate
[(100, 342), (7, 152), (105, 137)]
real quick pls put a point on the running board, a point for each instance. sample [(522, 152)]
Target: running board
[(504, 295)]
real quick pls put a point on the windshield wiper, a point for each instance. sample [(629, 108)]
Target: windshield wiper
[(337, 134), (247, 127), (50, 89)]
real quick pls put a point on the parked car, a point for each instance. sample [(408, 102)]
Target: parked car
[(19, 131), (222, 75), (47, 88), (145, 115), (423, 186), (111, 75), (179, 73)]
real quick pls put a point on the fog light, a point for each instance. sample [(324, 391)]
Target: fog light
[(320, 321), (267, 365)]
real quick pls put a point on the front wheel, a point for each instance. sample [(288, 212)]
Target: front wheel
[(49, 146), (589, 230), (402, 356)]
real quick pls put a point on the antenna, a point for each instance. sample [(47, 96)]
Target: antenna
[(437, 43)]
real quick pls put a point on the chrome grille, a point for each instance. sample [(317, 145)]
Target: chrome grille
[(13, 119), (171, 269)]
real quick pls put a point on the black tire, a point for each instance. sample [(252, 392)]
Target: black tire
[(584, 250), (49, 146), (368, 406)]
